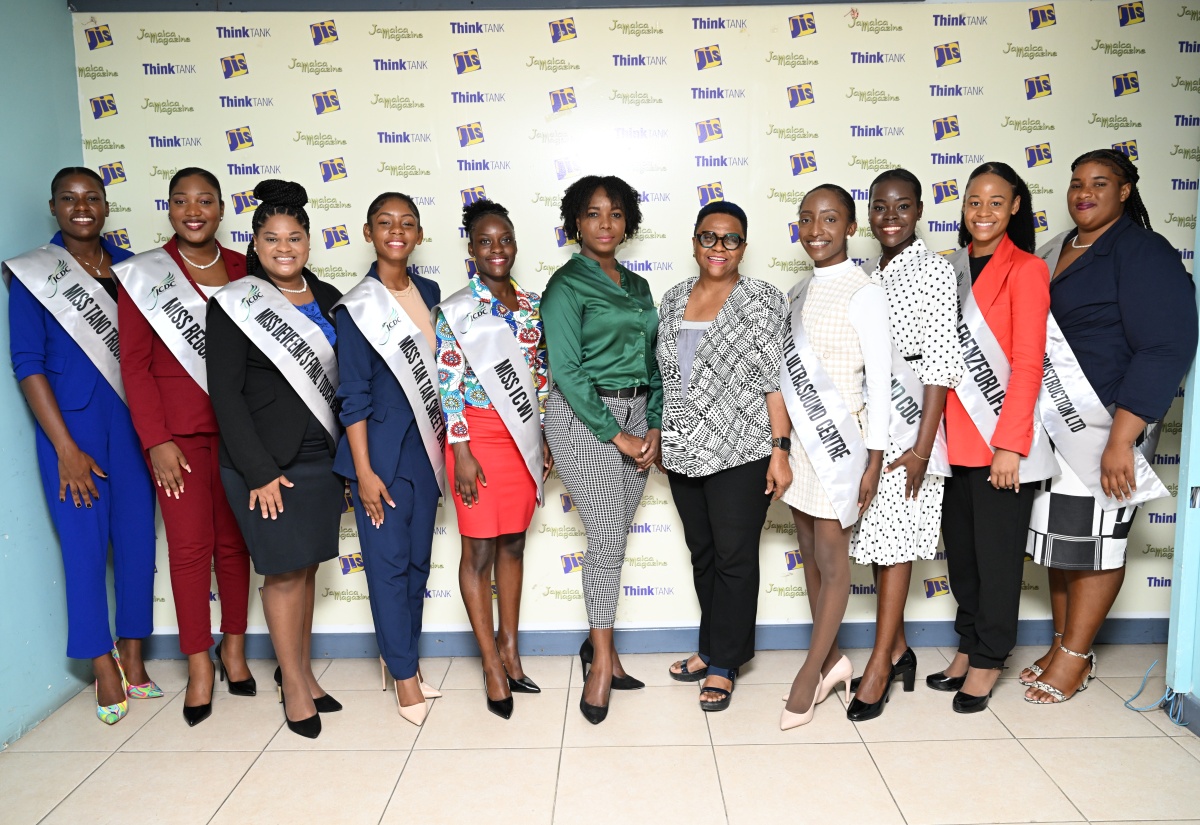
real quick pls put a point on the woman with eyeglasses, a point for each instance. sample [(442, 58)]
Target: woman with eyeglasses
[(724, 432)]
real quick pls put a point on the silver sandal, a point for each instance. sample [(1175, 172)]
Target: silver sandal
[(1035, 668), (1057, 694)]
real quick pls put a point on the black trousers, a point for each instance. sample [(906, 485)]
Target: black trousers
[(985, 533), (722, 517)]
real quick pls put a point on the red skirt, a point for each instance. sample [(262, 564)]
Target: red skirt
[(506, 504)]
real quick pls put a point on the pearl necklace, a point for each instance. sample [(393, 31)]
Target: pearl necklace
[(1077, 246), (299, 291), (211, 263)]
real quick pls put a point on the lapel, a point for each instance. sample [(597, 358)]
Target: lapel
[(1050, 252), (1101, 246), (994, 275)]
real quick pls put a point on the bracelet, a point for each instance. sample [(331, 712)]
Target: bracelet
[(918, 455)]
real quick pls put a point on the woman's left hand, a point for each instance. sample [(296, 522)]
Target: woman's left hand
[(1117, 476), (869, 486), (779, 474), (651, 449), (1005, 472), (547, 460)]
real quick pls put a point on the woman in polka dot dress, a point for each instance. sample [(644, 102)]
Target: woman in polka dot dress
[(904, 522)]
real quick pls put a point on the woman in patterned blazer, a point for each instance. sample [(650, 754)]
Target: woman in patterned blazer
[(724, 433)]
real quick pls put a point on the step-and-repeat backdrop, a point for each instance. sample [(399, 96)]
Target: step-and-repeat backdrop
[(750, 104)]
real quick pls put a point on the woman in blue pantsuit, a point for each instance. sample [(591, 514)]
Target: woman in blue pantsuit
[(392, 482), (93, 473)]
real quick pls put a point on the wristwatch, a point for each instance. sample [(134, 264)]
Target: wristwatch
[(783, 443)]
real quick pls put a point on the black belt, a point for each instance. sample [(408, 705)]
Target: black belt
[(628, 392)]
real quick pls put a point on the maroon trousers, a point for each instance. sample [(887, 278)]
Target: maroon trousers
[(203, 536)]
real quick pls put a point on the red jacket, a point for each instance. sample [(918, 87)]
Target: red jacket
[(164, 400), (1013, 293)]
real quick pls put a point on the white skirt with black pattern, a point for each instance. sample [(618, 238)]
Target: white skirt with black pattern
[(894, 529)]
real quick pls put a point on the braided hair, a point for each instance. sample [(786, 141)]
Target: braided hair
[(72, 171), (1123, 166), (474, 212), (1020, 226), (275, 197)]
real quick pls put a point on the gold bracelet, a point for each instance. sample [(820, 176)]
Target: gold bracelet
[(918, 455)]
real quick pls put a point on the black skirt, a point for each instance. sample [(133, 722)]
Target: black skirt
[(306, 532)]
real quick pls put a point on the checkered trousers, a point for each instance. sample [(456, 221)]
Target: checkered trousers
[(606, 487)]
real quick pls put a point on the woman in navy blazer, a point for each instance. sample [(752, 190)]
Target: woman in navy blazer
[(1127, 308), (93, 474), (392, 482)]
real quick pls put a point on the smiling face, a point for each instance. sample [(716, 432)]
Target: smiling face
[(717, 261), (195, 210), (1096, 197), (894, 213), (987, 209), (394, 231), (282, 247), (493, 245), (824, 226), (601, 226), (80, 207)]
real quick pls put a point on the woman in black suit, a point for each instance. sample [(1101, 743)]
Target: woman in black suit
[(271, 376)]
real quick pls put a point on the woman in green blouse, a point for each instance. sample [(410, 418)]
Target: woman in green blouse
[(604, 415)]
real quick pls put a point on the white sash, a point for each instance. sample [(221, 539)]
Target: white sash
[(290, 339), (402, 346), (1076, 420), (823, 424), (499, 364), (77, 301), (908, 398), (174, 309), (984, 384)]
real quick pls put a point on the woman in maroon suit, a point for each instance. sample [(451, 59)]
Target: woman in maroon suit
[(175, 422)]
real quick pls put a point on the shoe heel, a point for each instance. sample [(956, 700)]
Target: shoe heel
[(910, 680), (847, 691), (382, 674)]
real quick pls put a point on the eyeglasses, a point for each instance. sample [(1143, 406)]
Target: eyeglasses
[(709, 239)]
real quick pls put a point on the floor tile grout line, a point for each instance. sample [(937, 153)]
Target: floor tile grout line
[(883, 779), (90, 774), (241, 779), (562, 740), (716, 766), (1054, 781)]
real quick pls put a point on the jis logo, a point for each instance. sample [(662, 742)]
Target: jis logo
[(946, 190), (1125, 83), (1129, 14), (118, 237), (1041, 17), (937, 586), (1038, 155), (565, 168), (1128, 148), (239, 138), (234, 66), (326, 102), (563, 99), (1040, 223), (98, 37), (333, 169), (945, 128), (472, 269), (567, 504), (103, 106), (800, 95), (947, 54), (803, 163), (350, 563), (794, 231), (560, 238), (335, 236), (708, 57), (112, 173), (323, 33), (709, 192), (467, 61), (470, 134), (572, 562), (794, 560), (1036, 87), (802, 25), (472, 195), (708, 130), (561, 30), (244, 202)]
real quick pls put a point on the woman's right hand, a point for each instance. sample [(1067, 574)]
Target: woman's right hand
[(467, 474), (629, 445), (167, 460), (269, 497), (371, 492), (75, 468)]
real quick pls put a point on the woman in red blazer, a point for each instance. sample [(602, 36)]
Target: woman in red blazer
[(175, 422), (989, 497)]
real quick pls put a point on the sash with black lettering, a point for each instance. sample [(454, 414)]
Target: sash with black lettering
[(823, 424), (984, 384), (908, 398), (288, 337), (499, 364), (1076, 420), (402, 346), (77, 301), (174, 309)]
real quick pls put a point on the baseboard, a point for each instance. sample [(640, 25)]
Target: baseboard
[(673, 639), (1190, 709)]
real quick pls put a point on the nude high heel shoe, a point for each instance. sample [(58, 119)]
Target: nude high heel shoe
[(842, 671), (427, 690)]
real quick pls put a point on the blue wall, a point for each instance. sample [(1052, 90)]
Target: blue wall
[(41, 137)]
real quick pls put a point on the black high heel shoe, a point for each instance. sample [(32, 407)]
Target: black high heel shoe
[(940, 681), (324, 704), (587, 652), (501, 707), (593, 713), (966, 703), (906, 668), (246, 687), (309, 728), (195, 714), (522, 685)]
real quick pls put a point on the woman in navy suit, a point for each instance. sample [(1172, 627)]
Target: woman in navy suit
[(93, 474), (393, 482)]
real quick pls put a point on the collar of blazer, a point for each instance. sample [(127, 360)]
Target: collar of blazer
[(424, 285), (671, 311), (1101, 246), (994, 274)]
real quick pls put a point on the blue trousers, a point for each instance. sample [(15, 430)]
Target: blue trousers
[(123, 516), (396, 562)]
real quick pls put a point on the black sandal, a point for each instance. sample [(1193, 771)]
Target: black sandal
[(685, 675), (726, 695)]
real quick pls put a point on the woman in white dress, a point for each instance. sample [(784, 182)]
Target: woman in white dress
[(905, 521)]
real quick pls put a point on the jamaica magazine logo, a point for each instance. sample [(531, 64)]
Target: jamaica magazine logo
[(1041, 17), (802, 25), (98, 37), (234, 66), (561, 30), (323, 33)]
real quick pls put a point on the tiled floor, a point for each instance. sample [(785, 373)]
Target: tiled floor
[(656, 759)]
